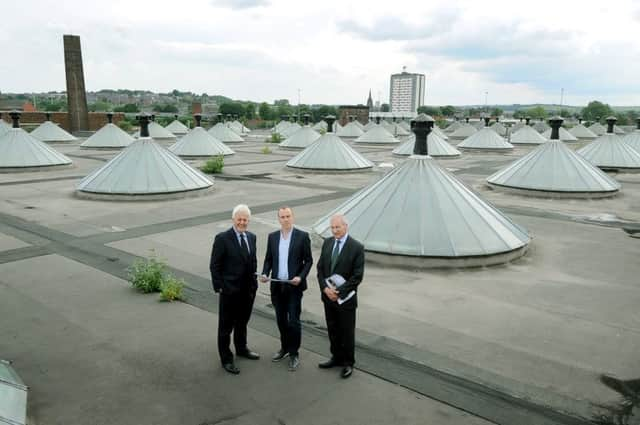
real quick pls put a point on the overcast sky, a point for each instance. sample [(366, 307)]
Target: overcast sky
[(333, 51)]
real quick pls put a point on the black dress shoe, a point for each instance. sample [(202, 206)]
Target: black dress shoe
[(279, 356), (231, 368), (347, 371), (294, 362), (248, 354), (328, 364)]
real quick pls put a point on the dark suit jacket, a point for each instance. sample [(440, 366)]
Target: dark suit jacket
[(232, 268), (350, 265), (300, 259)]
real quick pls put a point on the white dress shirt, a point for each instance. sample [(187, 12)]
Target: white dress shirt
[(283, 256)]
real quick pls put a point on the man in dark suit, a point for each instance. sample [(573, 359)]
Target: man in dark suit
[(233, 266), (344, 256), (288, 258)]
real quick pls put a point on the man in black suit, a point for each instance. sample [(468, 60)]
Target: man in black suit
[(288, 258), (233, 266), (344, 256)]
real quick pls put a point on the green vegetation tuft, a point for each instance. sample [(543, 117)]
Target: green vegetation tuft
[(171, 289), (147, 275), (150, 275), (213, 165), (275, 138)]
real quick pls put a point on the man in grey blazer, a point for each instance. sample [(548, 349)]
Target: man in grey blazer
[(289, 259), (233, 266), (340, 255)]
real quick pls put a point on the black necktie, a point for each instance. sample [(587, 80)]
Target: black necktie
[(243, 243)]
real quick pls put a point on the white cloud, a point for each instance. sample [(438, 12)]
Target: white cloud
[(334, 52), (239, 4)]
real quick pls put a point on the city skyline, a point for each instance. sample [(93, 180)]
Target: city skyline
[(331, 53)]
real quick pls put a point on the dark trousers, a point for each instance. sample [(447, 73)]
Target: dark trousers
[(341, 326), (288, 304), (233, 315)]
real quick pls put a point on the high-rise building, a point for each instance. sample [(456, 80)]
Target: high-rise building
[(406, 92)]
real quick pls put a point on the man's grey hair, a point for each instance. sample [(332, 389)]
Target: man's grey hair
[(241, 208), (342, 218)]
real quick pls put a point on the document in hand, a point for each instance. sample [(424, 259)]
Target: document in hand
[(273, 279), (335, 281)]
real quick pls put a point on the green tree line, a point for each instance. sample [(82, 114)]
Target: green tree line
[(594, 111)]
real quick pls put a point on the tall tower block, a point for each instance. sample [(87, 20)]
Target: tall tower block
[(76, 94)]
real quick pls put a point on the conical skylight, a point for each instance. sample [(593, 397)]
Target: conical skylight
[(553, 167), (397, 130), (368, 126), (19, 150), (436, 146), (453, 127), (224, 134), (517, 126), (527, 136), (300, 139), (158, 132), (320, 126), (235, 126), (439, 132), (582, 132), (290, 129), (144, 168), (378, 135), (419, 211), (485, 139), (633, 139), (565, 136), (499, 128), (110, 136), (597, 128), (541, 127), (281, 126), (4, 126), (609, 151), (351, 130), (329, 152), (405, 125), (465, 130), (50, 132), (177, 128), (200, 143)]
